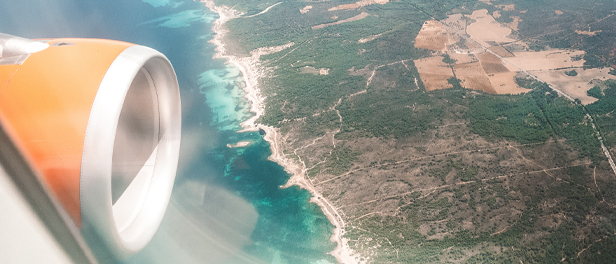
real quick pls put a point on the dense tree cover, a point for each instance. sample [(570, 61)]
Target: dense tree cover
[(592, 61), (602, 112), (607, 102), (387, 114), (595, 92), (514, 118), (571, 73), (534, 117)]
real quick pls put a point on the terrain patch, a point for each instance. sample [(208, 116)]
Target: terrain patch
[(486, 29), (472, 76), (545, 60), (434, 73), (433, 36), (355, 18), (504, 83), (359, 4), (575, 86)]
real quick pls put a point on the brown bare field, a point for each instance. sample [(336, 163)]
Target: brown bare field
[(355, 18), (434, 73), (473, 46), (545, 60), (359, 4), (433, 36), (504, 83), (472, 76), (491, 64), (463, 58), (575, 86), (486, 29), (500, 51), (456, 22), (558, 12)]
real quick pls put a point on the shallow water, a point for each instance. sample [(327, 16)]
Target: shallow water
[(226, 205)]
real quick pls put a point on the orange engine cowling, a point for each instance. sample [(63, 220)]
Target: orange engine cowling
[(100, 121)]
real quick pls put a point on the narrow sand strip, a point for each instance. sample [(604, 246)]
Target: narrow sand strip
[(252, 70)]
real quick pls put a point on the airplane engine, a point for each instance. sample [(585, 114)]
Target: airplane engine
[(99, 121)]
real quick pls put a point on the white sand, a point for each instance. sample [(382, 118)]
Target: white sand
[(240, 144), (252, 70)]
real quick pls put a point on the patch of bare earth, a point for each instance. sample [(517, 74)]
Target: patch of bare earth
[(588, 33), (575, 86), (472, 76), (500, 51), (433, 36), (544, 60), (463, 57), (369, 38), (305, 9), (491, 64), (314, 71), (434, 73), (504, 83), (475, 68), (485, 29), (496, 69), (355, 18), (359, 4), (456, 22)]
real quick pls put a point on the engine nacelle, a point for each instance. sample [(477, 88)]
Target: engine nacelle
[(100, 121)]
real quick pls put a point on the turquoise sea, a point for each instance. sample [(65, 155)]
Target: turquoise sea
[(226, 205)]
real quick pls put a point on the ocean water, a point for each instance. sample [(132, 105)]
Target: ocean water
[(226, 205)]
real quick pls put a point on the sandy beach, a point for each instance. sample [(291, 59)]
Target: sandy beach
[(251, 69)]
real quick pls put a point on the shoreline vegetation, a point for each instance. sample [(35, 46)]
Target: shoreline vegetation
[(252, 70), (458, 145)]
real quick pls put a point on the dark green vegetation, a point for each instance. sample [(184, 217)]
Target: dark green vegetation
[(525, 178), (603, 112), (542, 26), (571, 73), (337, 48), (595, 92), (534, 117)]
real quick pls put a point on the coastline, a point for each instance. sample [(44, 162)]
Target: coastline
[(252, 70)]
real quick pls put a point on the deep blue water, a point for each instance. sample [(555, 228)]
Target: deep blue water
[(226, 205)]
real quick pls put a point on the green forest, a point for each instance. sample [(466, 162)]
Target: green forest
[(373, 91)]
